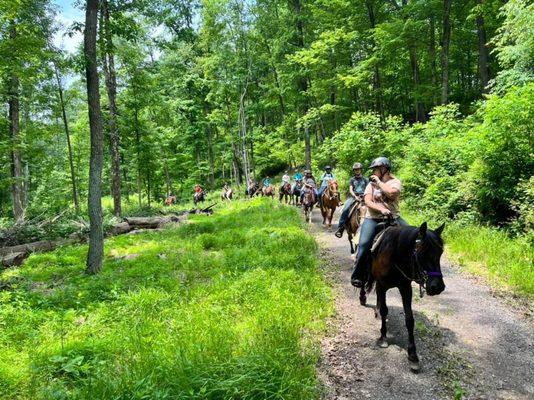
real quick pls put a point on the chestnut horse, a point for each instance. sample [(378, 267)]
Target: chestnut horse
[(403, 255), (356, 215), (285, 192), (268, 191), (329, 201), (170, 200)]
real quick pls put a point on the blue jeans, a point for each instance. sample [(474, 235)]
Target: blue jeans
[(345, 213), (367, 235)]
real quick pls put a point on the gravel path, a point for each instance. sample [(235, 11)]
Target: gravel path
[(471, 345)]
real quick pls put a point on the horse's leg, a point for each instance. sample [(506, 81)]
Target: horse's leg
[(406, 293), (383, 309), (350, 242), (363, 297)]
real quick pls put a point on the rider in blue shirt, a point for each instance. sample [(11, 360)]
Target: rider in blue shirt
[(266, 181), (357, 185)]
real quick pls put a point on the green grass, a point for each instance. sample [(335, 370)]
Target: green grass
[(505, 262), (226, 307)]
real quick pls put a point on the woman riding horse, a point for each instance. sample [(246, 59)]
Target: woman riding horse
[(357, 185), (381, 197)]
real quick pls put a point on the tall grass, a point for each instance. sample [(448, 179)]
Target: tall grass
[(489, 252), (225, 307)]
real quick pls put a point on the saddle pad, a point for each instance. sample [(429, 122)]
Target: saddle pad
[(378, 239)]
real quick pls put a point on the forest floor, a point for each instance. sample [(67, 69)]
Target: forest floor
[(471, 344)]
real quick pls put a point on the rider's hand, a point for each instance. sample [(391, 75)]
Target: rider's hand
[(374, 179), (385, 212)]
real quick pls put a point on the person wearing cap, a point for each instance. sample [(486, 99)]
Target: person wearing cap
[(308, 184), (357, 185), (327, 176), (381, 197)]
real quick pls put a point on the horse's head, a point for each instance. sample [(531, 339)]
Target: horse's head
[(428, 251), (333, 187)]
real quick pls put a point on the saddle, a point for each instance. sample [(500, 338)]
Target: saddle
[(382, 228)]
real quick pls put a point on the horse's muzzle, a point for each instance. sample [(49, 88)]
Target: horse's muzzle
[(435, 286)]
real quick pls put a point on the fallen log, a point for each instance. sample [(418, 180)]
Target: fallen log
[(149, 222)]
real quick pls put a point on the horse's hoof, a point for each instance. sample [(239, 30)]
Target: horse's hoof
[(415, 366), (382, 343), (363, 301)]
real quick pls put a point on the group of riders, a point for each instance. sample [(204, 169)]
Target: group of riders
[(377, 196)]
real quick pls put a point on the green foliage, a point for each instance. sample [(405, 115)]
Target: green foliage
[(227, 306)]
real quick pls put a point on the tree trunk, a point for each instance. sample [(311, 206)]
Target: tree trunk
[(483, 54), (420, 114), (433, 64), (138, 149), (377, 86), (69, 146), (445, 51), (303, 81), (243, 134), (96, 234), (17, 190), (111, 88)]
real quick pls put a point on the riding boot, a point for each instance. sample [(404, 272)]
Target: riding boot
[(358, 277)]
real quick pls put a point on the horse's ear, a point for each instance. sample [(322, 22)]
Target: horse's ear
[(422, 230), (439, 231)]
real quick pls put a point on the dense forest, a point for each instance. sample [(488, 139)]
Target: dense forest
[(219, 90)]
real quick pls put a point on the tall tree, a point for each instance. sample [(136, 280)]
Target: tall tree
[(445, 42), (111, 88), (96, 234), (483, 53)]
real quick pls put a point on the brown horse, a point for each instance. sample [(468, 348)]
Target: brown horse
[(170, 200), (268, 191), (285, 192), (295, 193), (199, 197), (329, 201), (308, 201), (403, 255), (356, 215)]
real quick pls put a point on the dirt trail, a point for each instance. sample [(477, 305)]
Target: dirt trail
[(468, 341)]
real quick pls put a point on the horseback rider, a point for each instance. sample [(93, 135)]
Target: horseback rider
[(327, 176), (298, 179), (357, 185), (266, 181), (381, 197), (198, 189), (308, 184), (285, 180)]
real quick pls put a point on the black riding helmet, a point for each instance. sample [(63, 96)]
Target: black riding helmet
[(380, 162), (328, 168)]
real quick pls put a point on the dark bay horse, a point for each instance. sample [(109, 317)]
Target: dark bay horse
[(253, 189), (329, 202), (405, 254), (285, 192), (199, 197), (295, 193)]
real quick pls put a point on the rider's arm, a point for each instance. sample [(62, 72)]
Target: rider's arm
[(368, 198), (390, 189), (351, 190)]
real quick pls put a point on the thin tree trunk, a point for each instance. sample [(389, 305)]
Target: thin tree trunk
[(111, 88), (445, 42), (69, 145), (138, 149), (377, 85), (14, 130), (420, 114), (433, 64), (483, 53), (243, 134), (303, 82), (96, 234)]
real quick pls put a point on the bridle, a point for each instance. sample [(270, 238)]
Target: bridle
[(419, 274)]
